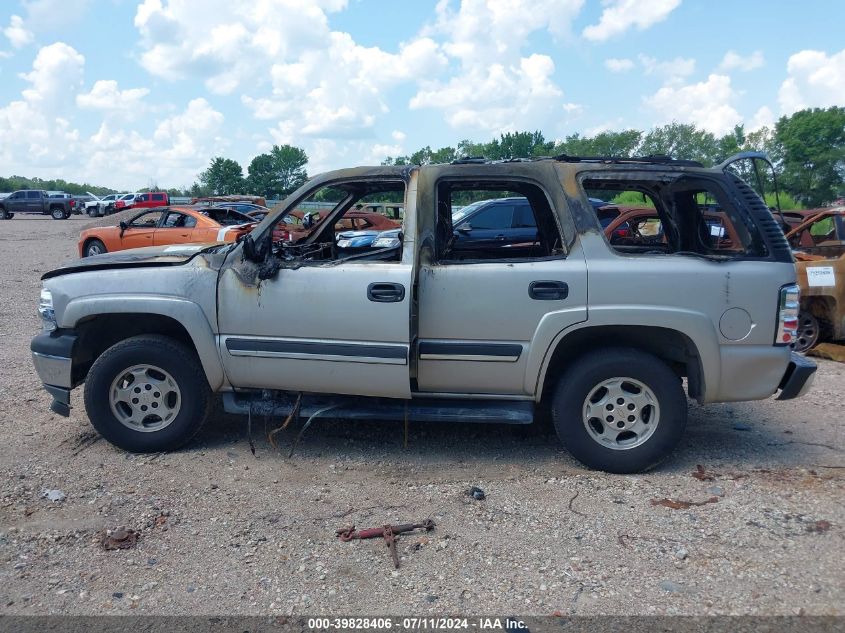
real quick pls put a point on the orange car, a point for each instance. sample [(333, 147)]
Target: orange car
[(171, 225)]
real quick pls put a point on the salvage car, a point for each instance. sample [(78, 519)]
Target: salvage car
[(169, 225), (35, 201), (599, 334), (102, 206), (819, 245)]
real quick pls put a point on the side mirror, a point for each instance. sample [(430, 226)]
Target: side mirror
[(466, 227), (123, 226)]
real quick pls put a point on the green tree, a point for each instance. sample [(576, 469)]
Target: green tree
[(682, 141), (810, 148), (608, 143), (279, 172), (224, 176)]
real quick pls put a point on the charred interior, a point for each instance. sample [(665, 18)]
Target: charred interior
[(683, 216)]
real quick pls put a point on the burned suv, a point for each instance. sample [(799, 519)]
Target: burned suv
[(611, 337)]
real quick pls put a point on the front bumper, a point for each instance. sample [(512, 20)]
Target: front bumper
[(798, 377), (52, 355)]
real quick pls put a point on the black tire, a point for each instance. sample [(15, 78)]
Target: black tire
[(94, 247), (5, 215), (588, 372), (93, 212), (58, 213), (161, 352)]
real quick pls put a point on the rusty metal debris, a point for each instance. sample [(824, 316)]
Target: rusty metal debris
[(703, 475), (675, 504), (387, 532), (121, 538)]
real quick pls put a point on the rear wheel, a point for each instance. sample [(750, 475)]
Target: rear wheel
[(619, 410), (809, 330), (147, 394), (57, 213), (94, 247)]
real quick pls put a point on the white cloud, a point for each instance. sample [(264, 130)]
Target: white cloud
[(673, 69), (764, 117), (617, 65), (178, 149), (495, 98), (17, 33), (708, 104), (228, 43), (496, 88), (734, 61), (619, 16), (340, 90), (105, 95), (35, 127), (815, 79), (57, 69)]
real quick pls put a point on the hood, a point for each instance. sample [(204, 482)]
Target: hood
[(171, 255), (349, 235)]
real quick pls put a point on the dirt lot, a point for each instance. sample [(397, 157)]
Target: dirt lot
[(222, 531)]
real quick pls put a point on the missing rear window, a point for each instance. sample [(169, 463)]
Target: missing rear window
[(685, 216)]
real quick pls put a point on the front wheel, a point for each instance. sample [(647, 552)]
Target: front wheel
[(619, 410), (147, 394), (57, 213), (94, 247), (5, 215), (93, 212)]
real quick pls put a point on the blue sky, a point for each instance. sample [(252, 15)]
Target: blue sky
[(126, 93)]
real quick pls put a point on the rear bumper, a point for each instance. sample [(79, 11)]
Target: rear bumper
[(52, 355), (798, 377)]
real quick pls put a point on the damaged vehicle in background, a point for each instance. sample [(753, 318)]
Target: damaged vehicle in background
[(169, 225), (438, 329), (819, 246)]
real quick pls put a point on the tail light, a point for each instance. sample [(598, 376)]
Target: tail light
[(788, 307), (72, 203)]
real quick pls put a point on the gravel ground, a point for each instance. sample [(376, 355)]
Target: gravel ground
[(221, 531)]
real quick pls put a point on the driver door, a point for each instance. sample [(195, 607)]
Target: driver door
[(141, 230), (330, 326)]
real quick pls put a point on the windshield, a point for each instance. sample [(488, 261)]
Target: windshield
[(460, 214)]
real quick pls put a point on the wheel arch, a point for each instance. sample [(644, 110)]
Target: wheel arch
[(674, 347), (824, 308), (101, 324)]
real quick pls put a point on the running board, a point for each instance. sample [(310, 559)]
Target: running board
[(264, 403)]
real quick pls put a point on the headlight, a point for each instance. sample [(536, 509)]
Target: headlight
[(45, 309), (386, 242), (343, 243)]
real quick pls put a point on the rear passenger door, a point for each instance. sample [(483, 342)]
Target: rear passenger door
[(177, 228), (486, 321)]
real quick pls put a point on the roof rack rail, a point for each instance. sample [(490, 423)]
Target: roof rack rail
[(469, 160), (653, 158)]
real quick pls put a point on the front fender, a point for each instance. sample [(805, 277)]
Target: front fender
[(189, 314)]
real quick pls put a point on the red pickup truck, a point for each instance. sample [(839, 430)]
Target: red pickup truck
[(143, 200)]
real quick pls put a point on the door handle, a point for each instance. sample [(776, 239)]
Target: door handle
[(548, 290), (385, 292)]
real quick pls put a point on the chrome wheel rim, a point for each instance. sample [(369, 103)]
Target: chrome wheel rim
[(621, 413), (808, 332), (145, 398), (94, 249)]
